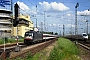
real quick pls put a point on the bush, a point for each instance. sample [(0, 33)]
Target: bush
[(10, 40), (56, 54), (1, 41)]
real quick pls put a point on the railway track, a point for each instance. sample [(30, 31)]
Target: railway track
[(79, 40), (31, 48), (5, 51), (84, 45), (10, 46)]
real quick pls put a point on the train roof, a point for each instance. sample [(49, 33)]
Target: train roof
[(32, 31), (50, 34)]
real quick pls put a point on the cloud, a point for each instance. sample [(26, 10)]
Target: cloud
[(70, 25), (53, 24), (24, 8), (69, 15), (83, 13), (53, 6), (69, 19)]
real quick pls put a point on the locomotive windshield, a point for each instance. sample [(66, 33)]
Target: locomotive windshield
[(84, 34), (28, 34)]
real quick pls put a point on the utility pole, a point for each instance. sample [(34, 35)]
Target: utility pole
[(12, 10), (36, 22), (76, 32), (63, 30), (77, 5), (36, 17), (41, 26), (59, 29), (87, 23), (71, 29), (12, 17), (87, 26), (44, 22)]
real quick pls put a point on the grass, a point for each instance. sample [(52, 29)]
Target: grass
[(10, 40), (65, 50), (40, 56)]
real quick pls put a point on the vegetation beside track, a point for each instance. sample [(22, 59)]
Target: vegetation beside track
[(63, 49), (10, 40)]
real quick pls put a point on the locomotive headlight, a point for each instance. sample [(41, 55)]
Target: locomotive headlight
[(30, 37), (32, 34)]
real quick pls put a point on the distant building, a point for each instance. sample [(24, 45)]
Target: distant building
[(6, 27), (25, 24), (5, 23)]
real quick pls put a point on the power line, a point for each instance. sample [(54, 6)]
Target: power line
[(24, 11)]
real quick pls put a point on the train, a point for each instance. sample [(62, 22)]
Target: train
[(83, 37), (49, 36), (31, 37)]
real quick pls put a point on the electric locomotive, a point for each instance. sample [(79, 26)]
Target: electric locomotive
[(32, 36), (85, 36)]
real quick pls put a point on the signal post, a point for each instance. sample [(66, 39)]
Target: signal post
[(15, 24)]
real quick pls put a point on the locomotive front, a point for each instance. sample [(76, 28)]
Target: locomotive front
[(28, 38)]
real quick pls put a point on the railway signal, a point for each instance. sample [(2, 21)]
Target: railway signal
[(15, 24), (16, 10)]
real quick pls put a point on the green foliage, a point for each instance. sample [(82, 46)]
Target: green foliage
[(18, 58), (21, 40), (56, 54), (10, 40), (67, 46), (29, 55), (47, 32), (65, 50), (1, 41), (56, 33)]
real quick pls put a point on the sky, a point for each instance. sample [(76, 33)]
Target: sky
[(53, 14)]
